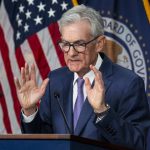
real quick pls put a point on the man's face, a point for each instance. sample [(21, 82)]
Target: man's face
[(79, 62)]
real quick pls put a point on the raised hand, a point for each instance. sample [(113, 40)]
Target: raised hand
[(96, 93), (28, 91)]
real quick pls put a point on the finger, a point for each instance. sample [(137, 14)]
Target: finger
[(17, 84), (98, 76), (87, 84), (96, 72), (22, 80), (27, 77), (99, 79), (33, 73), (44, 84)]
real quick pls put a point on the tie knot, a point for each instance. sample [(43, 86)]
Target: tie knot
[(80, 82)]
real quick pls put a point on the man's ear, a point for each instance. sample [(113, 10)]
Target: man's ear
[(100, 43)]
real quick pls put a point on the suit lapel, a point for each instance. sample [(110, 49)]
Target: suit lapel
[(87, 110), (67, 99), (106, 70)]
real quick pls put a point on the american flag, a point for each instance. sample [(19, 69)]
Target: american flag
[(28, 33)]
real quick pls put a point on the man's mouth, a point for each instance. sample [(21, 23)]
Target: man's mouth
[(73, 60)]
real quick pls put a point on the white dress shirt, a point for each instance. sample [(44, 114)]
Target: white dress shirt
[(91, 77)]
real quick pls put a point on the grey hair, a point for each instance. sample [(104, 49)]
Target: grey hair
[(82, 12)]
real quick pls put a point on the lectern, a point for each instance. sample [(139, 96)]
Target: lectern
[(53, 142)]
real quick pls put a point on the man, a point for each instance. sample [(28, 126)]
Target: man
[(101, 100)]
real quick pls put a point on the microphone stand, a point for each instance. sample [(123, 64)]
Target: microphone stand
[(56, 95)]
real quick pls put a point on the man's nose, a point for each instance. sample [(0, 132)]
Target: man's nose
[(72, 51)]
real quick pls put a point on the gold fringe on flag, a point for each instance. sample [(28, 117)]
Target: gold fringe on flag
[(75, 2), (147, 8)]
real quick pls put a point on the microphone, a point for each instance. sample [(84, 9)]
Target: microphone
[(57, 96)]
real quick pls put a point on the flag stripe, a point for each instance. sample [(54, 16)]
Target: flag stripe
[(19, 57), (9, 98), (55, 34), (29, 58), (49, 49), (8, 32), (2, 126), (5, 57), (4, 108), (39, 55)]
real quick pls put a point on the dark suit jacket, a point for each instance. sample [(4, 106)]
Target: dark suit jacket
[(126, 122)]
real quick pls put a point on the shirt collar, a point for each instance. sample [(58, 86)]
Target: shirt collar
[(90, 74)]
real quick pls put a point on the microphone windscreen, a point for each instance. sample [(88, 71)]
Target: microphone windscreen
[(56, 95)]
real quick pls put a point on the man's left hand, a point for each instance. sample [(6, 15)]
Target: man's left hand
[(96, 93)]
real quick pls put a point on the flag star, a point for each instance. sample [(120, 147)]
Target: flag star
[(21, 8), (64, 6), (19, 22), (18, 35), (28, 14), (30, 2), (38, 20), (26, 27), (54, 1), (51, 12), (41, 6)]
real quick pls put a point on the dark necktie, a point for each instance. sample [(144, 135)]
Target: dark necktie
[(79, 101)]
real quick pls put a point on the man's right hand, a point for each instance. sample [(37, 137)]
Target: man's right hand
[(28, 91)]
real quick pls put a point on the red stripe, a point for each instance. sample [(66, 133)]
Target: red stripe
[(19, 57), (5, 112), (5, 57), (55, 34), (39, 55)]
